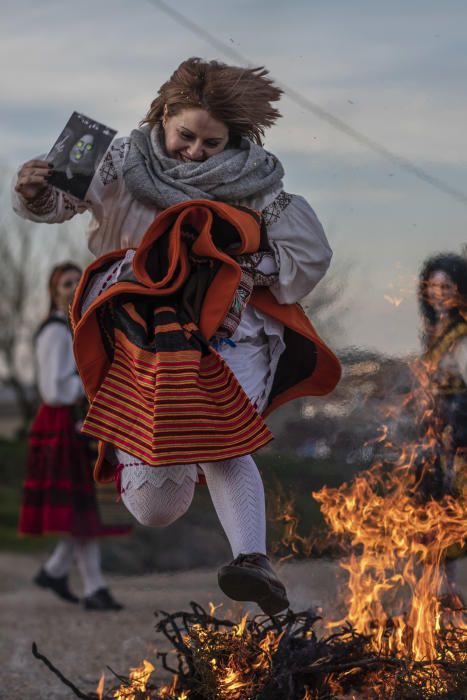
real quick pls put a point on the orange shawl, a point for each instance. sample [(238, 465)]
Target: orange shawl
[(157, 388)]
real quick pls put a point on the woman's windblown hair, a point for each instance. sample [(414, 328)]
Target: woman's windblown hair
[(239, 97)]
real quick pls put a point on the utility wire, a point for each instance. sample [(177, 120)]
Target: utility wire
[(310, 106)]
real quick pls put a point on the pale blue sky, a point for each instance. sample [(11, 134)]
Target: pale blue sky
[(393, 71)]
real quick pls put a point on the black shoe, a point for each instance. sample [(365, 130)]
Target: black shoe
[(101, 600), (251, 577), (57, 584)]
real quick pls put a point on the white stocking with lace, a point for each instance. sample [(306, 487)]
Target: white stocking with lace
[(237, 493), (156, 497)]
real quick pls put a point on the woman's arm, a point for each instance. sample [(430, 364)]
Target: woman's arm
[(299, 244), (33, 198), (58, 380)]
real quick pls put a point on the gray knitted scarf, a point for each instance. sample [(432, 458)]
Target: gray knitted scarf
[(230, 176)]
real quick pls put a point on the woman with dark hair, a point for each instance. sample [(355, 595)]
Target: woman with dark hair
[(59, 493), (443, 292), (200, 140), (443, 304)]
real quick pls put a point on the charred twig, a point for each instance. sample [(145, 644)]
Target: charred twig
[(65, 681), (163, 656), (122, 679)]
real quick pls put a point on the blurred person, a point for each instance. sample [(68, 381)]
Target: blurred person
[(443, 305), (201, 140), (59, 493)]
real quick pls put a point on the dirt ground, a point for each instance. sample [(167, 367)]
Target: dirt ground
[(82, 643)]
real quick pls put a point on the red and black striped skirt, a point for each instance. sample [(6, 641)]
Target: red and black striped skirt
[(59, 493)]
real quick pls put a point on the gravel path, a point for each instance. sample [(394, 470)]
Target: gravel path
[(82, 643)]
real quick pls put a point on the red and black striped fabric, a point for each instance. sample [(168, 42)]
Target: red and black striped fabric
[(59, 493), (157, 388), (171, 399)]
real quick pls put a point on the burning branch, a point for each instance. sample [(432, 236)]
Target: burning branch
[(281, 658)]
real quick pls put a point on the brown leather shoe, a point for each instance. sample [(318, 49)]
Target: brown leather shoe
[(251, 577)]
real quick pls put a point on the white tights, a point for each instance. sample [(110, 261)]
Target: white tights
[(158, 496), (86, 553)]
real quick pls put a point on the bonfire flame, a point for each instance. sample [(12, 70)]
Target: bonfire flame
[(398, 541), (100, 687), (137, 686), (291, 544), (230, 663)]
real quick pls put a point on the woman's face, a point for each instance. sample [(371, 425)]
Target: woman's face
[(193, 135), (66, 285), (441, 292)]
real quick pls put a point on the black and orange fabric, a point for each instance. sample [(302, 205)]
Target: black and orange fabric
[(157, 388)]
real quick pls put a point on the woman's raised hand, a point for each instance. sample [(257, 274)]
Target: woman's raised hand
[(33, 178)]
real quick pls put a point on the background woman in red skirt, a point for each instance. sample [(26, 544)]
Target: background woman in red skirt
[(59, 493)]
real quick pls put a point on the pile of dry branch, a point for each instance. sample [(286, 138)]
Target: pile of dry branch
[(282, 658)]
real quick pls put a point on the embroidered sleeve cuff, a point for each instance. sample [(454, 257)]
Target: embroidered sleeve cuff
[(44, 203)]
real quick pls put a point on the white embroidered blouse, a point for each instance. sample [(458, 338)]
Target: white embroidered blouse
[(295, 234), (57, 377)]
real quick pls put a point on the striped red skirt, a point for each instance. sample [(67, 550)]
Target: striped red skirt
[(59, 494)]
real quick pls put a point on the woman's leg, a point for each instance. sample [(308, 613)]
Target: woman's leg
[(60, 561), (157, 497), (54, 573), (237, 493), (88, 558)]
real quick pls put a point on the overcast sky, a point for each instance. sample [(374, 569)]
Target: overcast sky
[(394, 72)]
